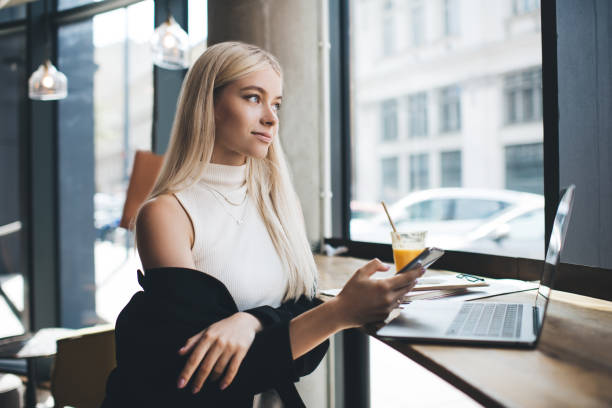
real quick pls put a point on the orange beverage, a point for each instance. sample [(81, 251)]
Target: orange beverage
[(402, 256), (406, 246)]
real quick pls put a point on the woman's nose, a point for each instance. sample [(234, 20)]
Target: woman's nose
[(269, 117)]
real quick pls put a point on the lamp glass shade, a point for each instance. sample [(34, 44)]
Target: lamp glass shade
[(47, 83), (170, 45)]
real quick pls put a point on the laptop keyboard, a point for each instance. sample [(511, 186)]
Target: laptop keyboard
[(487, 320)]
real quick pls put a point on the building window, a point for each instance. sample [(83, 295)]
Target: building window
[(451, 17), (388, 29), (524, 168), (523, 96), (418, 24), (450, 169), (12, 13), (419, 171), (389, 170), (450, 109), (524, 6), (389, 119), (417, 117)]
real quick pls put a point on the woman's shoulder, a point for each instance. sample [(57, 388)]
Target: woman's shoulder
[(162, 206), (163, 212), (163, 230)]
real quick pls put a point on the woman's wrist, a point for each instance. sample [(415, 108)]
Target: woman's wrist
[(252, 320), (339, 313)]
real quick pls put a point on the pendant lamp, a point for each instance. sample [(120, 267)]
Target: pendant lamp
[(47, 83), (170, 45)]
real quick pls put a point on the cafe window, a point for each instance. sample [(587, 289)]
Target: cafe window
[(459, 106), (108, 62), (13, 273), (12, 13)]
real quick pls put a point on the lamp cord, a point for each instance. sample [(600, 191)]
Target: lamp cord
[(47, 32)]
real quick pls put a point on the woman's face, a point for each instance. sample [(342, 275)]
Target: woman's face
[(246, 117)]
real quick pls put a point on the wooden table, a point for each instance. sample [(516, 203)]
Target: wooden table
[(43, 343), (572, 365)]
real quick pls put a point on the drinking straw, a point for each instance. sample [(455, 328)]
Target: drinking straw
[(388, 216)]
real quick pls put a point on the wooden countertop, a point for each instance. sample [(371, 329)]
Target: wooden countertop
[(572, 365)]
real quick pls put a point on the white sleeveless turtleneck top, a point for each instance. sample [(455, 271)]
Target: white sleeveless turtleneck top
[(231, 242)]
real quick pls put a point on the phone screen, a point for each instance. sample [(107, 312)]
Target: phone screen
[(425, 258)]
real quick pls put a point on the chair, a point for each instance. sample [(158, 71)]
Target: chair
[(147, 166), (11, 391), (82, 364)]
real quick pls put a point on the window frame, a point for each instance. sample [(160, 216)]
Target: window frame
[(39, 150), (573, 277)]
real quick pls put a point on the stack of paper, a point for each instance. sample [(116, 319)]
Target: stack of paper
[(441, 287), (431, 294)]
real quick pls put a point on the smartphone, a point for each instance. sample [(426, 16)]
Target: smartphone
[(425, 259)]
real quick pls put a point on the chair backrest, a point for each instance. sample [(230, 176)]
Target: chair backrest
[(147, 166), (82, 365)]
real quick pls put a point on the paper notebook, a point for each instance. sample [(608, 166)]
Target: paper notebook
[(449, 284), (445, 283)]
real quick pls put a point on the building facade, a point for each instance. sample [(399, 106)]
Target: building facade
[(446, 93)]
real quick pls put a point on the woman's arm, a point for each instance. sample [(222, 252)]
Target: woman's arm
[(362, 300), (164, 237), (273, 354)]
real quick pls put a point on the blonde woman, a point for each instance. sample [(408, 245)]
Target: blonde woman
[(228, 308)]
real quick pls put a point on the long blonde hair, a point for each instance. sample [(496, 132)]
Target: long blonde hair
[(268, 182)]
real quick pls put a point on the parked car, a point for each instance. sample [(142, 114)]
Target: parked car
[(108, 209), (518, 232), (457, 218)]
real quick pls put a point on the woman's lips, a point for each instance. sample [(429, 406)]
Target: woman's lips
[(264, 137)]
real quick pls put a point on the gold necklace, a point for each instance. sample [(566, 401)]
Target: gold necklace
[(240, 220), (230, 202)]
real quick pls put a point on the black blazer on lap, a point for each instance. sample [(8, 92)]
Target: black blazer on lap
[(176, 304)]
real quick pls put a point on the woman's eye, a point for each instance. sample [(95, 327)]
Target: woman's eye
[(277, 107), (253, 98)]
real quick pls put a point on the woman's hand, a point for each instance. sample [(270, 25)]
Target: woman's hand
[(364, 300), (218, 349)]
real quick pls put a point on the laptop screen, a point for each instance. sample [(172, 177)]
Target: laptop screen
[(555, 245)]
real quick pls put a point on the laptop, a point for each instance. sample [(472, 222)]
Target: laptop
[(486, 323)]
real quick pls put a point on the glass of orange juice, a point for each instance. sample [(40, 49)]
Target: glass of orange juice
[(406, 246)]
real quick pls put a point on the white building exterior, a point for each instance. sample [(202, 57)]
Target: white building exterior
[(414, 55)]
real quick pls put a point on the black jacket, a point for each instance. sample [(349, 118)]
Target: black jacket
[(176, 304)]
